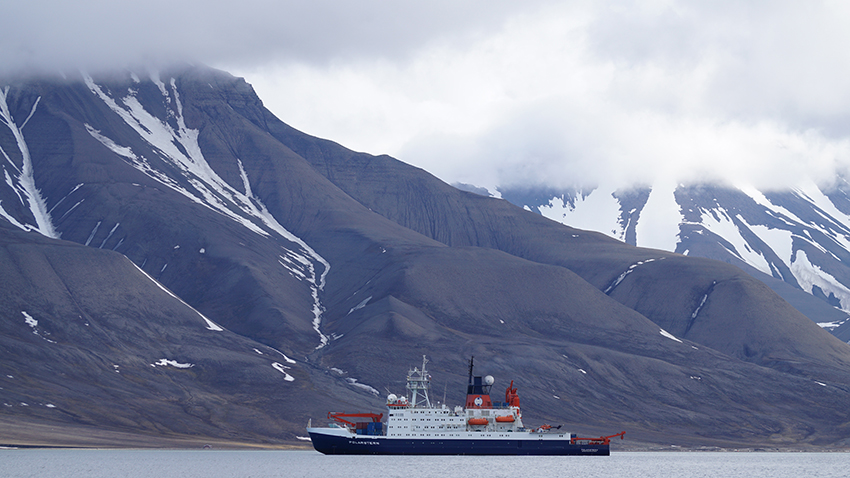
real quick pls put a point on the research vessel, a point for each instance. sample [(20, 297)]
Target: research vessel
[(416, 426)]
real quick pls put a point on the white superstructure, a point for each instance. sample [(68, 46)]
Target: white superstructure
[(417, 416)]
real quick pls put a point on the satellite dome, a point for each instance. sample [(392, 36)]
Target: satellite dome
[(391, 398), (488, 380)]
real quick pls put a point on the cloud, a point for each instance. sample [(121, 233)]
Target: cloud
[(499, 92), (45, 35), (599, 92)]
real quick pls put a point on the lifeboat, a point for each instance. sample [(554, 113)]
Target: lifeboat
[(506, 419), (477, 421)]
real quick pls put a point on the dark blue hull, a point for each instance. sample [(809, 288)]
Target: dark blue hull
[(370, 445)]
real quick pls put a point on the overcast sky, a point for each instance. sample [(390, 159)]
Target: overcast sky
[(504, 92)]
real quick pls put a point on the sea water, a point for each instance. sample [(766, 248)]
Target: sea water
[(52, 463)]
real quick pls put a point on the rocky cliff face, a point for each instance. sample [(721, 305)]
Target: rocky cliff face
[(185, 263)]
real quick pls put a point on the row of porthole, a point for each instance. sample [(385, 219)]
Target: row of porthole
[(402, 414), (459, 420)]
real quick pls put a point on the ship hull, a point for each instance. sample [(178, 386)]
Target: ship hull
[(334, 444)]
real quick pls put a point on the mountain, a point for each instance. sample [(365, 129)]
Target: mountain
[(797, 241), (180, 264)]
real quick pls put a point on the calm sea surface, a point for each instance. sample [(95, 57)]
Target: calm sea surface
[(261, 464)]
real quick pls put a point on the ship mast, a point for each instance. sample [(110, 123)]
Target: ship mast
[(419, 382)]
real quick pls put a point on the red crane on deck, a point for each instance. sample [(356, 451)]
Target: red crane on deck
[(376, 417), (600, 440)]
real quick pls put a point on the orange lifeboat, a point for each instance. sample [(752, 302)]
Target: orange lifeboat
[(477, 421), (505, 419)]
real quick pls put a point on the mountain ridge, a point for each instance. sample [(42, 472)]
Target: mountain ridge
[(793, 240)]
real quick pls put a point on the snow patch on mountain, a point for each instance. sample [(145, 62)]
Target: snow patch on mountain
[(699, 307), (29, 320), (108, 236), (173, 363), (93, 232), (658, 226), (285, 358), (178, 146), (775, 210), (295, 264), (768, 230), (816, 245), (9, 181), (246, 184), (625, 273), (210, 189), (601, 210), (720, 222), (33, 324), (670, 336), (831, 325), (780, 241), (596, 211), (282, 369), (833, 218), (360, 305), (11, 219), (809, 275), (362, 386), (25, 178), (72, 208), (142, 164)]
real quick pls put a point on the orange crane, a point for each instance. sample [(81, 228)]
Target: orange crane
[(376, 417), (600, 440)]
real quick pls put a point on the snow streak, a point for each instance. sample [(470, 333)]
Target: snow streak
[(25, 177), (809, 275), (210, 324), (172, 142), (78, 186), (172, 363), (30, 321), (833, 227), (721, 222), (93, 232), (361, 305), (701, 303), (670, 336), (628, 271), (111, 232), (362, 386), (282, 369)]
